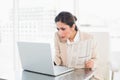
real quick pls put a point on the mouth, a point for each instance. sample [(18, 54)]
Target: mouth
[(62, 37)]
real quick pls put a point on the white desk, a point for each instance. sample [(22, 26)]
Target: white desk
[(79, 74)]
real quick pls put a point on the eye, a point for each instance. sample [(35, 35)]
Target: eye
[(58, 29), (63, 29)]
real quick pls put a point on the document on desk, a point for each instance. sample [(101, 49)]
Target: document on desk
[(78, 53)]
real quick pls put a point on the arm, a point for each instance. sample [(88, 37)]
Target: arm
[(92, 62), (57, 50)]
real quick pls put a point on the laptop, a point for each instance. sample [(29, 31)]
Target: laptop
[(37, 57)]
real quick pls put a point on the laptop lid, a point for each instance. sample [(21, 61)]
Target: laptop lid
[(36, 57)]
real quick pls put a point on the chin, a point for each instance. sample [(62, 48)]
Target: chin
[(64, 39)]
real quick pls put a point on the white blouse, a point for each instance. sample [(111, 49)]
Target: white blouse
[(78, 52)]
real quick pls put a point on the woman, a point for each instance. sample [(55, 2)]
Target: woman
[(68, 35)]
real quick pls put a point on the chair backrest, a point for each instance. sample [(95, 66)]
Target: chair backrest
[(114, 61), (103, 44)]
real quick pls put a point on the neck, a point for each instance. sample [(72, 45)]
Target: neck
[(72, 36)]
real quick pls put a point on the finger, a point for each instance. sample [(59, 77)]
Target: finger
[(89, 64)]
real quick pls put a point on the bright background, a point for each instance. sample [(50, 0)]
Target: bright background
[(33, 20)]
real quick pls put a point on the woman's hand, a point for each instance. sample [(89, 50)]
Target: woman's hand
[(89, 63)]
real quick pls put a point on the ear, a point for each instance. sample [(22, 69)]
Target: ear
[(73, 27)]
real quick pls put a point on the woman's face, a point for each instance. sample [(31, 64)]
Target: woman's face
[(64, 30)]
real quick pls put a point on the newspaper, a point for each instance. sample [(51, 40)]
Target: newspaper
[(78, 53)]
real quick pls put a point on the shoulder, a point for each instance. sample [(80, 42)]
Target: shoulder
[(56, 36), (86, 36)]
